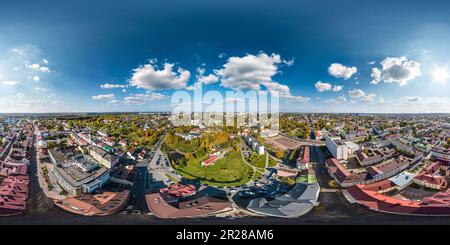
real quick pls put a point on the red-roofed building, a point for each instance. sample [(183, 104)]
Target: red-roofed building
[(433, 176), (210, 161), (304, 159), (178, 191), (13, 195), (372, 197), (344, 177)]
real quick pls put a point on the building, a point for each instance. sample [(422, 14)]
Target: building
[(433, 176), (297, 202), (212, 159), (102, 204), (370, 156), (304, 158), (74, 179), (103, 157), (337, 148), (176, 191), (13, 195), (199, 207), (254, 144), (441, 153), (287, 172), (352, 147), (267, 133), (344, 177), (373, 197), (390, 168)]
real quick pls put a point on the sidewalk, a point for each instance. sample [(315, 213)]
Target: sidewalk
[(54, 193)]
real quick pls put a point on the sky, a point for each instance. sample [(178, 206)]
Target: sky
[(320, 56)]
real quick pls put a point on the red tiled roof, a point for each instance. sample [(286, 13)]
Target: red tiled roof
[(211, 160)]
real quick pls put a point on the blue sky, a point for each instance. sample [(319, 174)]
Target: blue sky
[(388, 56)]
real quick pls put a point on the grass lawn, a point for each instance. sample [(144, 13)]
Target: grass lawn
[(228, 171), (184, 147), (307, 178), (272, 163), (302, 178), (312, 178), (259, 161)]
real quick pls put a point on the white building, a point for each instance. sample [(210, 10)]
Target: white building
[(268, 133), (337, 147), (255, 145), (352, 147)]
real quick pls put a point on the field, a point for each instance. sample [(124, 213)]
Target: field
[(282, 143), (184, 147), (228, 171)]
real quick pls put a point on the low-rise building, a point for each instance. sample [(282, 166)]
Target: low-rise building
[(74, 179), (303, 161), (337, 148), (103, 157)]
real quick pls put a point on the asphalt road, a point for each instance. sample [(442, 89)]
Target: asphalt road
[(38, 202)]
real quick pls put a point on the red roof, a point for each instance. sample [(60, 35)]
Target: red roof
[(369, 196), (179, 190), (211, 160), (305, 156)]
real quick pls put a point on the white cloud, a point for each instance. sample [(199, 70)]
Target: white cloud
[(410, 99), (396, 70), (252, 72), (34, 78), (209, 79), (44, 69), (289, 62), (38, 67), (356, 93), (370, 98), (376, 76), (339, 100), (337, 88), (249, 72), (361, 96), (321, 86), (339, 70), (139, 99), (11, 83), (110, 86), (40, 89), (103, 97), (149, 77)]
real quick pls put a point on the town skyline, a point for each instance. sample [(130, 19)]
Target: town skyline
[(133, 57)]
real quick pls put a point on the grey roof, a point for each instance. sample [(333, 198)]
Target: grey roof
[(299, 201)]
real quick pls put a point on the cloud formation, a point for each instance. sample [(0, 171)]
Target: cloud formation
[(111, 86), (399, 70), (103, 97), (253, 72), (341, 71), (150, 77), (337, 88), (321, 86), (140, 99), (209, 79)]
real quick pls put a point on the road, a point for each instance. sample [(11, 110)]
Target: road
[(38, 202), (144, 178)]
